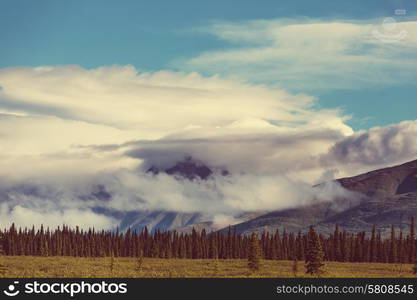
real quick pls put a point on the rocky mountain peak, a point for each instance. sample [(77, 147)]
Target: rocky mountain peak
[(189, 168)]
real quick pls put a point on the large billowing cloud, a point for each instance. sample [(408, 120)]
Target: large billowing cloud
[(157, 104), (375, 148), (74, 144), (308, 54), (53, 111)]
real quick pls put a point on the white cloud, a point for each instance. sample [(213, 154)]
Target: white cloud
[(66, 131), (305, 54), (49, 111), (149, 105), (260, 152), (25, 217), (375, 148), (75, 201)]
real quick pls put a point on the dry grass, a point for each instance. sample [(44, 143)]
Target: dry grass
[(28, 266)]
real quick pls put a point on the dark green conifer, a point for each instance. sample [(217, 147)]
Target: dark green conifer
[(254, 253), (315, 256)]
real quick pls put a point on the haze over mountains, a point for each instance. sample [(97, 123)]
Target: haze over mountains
[(175, 149), (383, 197)]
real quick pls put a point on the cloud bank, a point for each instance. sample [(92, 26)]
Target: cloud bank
[(375, 148), (313, 54), (75, 142)]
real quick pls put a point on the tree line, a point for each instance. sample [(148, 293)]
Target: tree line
[(339, 246)]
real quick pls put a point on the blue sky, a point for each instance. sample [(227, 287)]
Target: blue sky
[(158, 35)]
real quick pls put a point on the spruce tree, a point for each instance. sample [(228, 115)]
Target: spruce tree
[(213, 249), (139, 261), (196, 245), (372, 252), (344, 244), (3, 267), (393, 247), (411, 256), (315, 254), (273, 249), (337, 252), (300, 253), (254, 253), (295, 267)]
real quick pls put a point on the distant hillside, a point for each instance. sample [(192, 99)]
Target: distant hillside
[(384, 197)]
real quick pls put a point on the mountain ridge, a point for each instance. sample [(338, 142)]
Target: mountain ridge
[(389, 198)]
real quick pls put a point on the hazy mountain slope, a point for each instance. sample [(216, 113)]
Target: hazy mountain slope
[(389, 197), (210, 226), (162, 220), (388, 181)]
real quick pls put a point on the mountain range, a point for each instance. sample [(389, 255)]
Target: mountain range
[(382, 197)]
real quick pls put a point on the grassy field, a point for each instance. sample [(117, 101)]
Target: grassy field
[(27, 266)]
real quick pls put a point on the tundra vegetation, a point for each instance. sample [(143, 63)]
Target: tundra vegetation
[(66, 252)]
